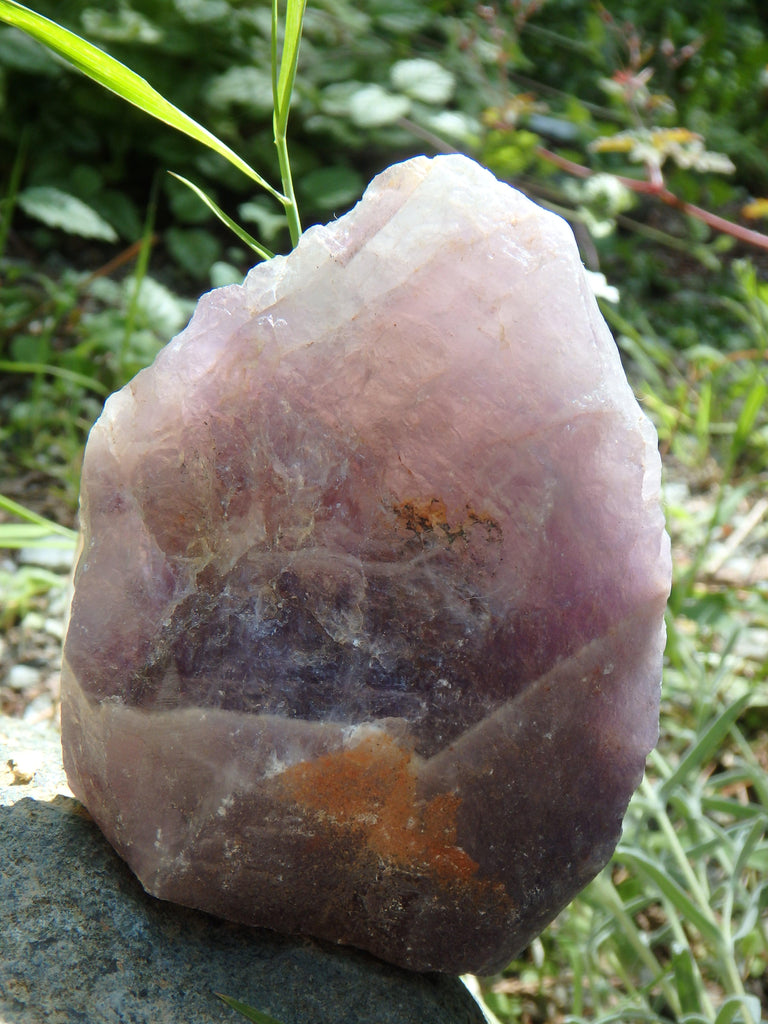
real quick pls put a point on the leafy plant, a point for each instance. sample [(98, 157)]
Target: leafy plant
[(675, 927)]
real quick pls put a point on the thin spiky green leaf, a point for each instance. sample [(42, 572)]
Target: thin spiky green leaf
[(247, 1011), (119, 79), (241, 233), (289, 59), (15, 509)]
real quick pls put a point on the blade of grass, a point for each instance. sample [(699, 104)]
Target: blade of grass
[(241, 233), (283, 77), (709, 741), (9, 366), (15, 509), (677, 896), (119, 79), (733, 1004), (247, 1011), (687, 978), (28, 535), (748, 415), (753, 837), (13, 188), (142, 266), (610, 900), (289, 59)]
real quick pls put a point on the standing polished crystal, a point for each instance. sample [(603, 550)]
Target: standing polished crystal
[(367, 628)]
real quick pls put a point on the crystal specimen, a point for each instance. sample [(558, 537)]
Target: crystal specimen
[(367, 627)]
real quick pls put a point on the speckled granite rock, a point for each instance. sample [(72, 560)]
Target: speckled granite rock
[(367, 629), (80, 941)]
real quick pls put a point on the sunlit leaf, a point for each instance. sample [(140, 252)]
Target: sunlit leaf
[(61, 210), (373, 107), (423, 80)]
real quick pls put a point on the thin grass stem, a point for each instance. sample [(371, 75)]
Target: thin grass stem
[(13, 188)]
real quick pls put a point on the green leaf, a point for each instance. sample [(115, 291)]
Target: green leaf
[(283, 77), (669, 888), (223, 273), (686, 980), (373, 107), (423, 80), (255, 212), (704, 747), (249, 87), (47, 526), (79, 379), (733, 1004), (289, 59), (753, 837), (27, 535), (160, 307), (332, 187), (241, 233), (126, 26), (247, 1011), (61, 210), (194, 249), (748, 415), (119, 79)]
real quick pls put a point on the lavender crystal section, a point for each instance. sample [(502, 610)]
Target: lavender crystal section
[(367, 628)]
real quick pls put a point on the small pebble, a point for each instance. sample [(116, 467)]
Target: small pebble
[(39, 709), (56, 557), (33, 622), (753, 644), (22, 677), (54, 627)]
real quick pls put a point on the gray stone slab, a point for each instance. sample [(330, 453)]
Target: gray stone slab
[(80, 941)]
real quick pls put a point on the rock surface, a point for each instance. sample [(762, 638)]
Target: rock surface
[(367, 629), (81, 942)]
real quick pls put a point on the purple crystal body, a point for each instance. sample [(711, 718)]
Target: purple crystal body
[(367, 628)]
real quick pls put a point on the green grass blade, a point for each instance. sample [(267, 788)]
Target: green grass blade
[(687, 981), (289, 59), (247, 1011), (29, 535), (9, 202), (732, 1005), (119, 79), (241, 233), (676, 895), (751, 841), (140, 273), (13, 507), (748, 415), (710, 740), (80, 379), (283, 77)]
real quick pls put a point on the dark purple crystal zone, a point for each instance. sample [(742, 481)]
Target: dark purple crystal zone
[(264, 647), (351, 602)]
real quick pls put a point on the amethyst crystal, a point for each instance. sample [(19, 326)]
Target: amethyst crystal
[(367, 628)]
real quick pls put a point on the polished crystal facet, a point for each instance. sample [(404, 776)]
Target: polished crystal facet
[(367, 628)]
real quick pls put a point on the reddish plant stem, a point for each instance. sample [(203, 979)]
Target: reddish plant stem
[(660, 191)]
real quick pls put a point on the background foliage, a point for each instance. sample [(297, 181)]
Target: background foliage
[(102, 254)]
